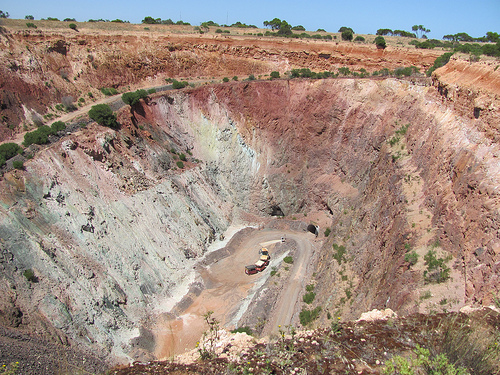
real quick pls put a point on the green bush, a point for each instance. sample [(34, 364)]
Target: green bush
[(132, 98), (288, 260), (39, 136), (219, 31), (2, 161), (152, 91), (310, 287), (439, 62), (30, 275), (179, 85), (225, 79), (72, 26), (180, 164), (245, 329), (347, 35), (327, 232), (182, 156), (103, 115), (235, 78), (339, 253), (18, 164), (359, 39), (58, 126), (251, 77), (309, 297), (437, 271), (307, 316), (109, 91), (9, 150), (380, 42), (275, 75), (31, 25), (411, 258)]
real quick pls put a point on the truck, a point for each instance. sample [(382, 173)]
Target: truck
[(261, 264)]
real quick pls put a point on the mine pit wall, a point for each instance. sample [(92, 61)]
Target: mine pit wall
[(121, 227), (324, 145)]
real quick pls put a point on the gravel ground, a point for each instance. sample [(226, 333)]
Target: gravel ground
[(39, 357)]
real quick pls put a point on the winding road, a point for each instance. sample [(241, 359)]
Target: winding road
[(228, 291)]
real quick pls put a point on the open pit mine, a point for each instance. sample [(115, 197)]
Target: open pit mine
[(115, 243)]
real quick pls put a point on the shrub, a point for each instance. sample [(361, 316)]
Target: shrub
[(31, 25), (152, 91), (380, 42), (72, 26), (347, 35), (327, 232), (219, 31), (9, 150), (309, 297), (39, 136), (58, 126), (132, 98), (235, 78), (179, 85), (30, 275), (109, 91), (251, 77), (182, 156), (288, 260), (103, 115), (307, 316), (18, 164), (411, 258), (339, 253), (245, 329), (437, 271), (180, 164), (2, 161), (225, 79), (439, 62), (359, 39), (275, 75)]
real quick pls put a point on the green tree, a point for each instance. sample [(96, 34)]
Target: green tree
[(72, 26), (4, 14), (380, 42), (30, 17), (384, 32), (359, 39), (347, 34), (103, 115), (275, 24), (149, 20), (344, 28), (299, 28), (9, 150), (420, 29), (285, 28)]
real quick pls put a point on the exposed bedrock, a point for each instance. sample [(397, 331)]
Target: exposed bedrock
[(111, 225)]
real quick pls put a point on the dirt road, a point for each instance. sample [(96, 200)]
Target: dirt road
[(228, 290)]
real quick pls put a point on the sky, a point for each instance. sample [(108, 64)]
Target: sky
[(442, 17)]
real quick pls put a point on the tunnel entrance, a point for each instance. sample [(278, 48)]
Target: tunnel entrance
[(276, 211), (313, 229)]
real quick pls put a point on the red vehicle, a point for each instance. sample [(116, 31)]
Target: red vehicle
[(251, 269)]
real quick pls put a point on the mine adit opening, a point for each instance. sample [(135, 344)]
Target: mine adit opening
[(313, 229)]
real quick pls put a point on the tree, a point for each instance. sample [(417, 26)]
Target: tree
[(285, 28), (343, 28), (9, 150), (347, 34), (380, 42), (384, 32), (359, 39), (421, 29), (299, 28), (103, 115), (149, 20), (275, 75), (30, 17), (4, 14), (275, 24), (72, 26)]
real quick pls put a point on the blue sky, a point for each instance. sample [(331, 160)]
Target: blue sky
[(364, 16)]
